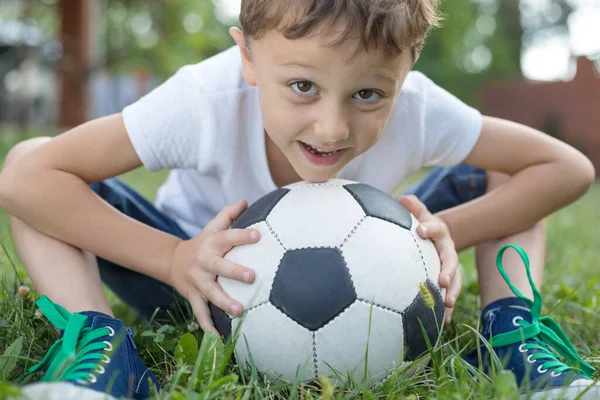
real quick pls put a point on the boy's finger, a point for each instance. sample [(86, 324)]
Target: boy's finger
[(434, 230), (449, 261), (215, 294), (226, 216), (227, 239), (414, 205), (448, 316), (222, 267), (453, 291), (202, 313)]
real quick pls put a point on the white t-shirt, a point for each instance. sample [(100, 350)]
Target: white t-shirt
[(205, 124)]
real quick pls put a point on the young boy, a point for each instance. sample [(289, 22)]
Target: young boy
[(314, 89)]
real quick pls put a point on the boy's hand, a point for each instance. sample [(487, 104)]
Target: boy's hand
[(435, 229), (197, 262)]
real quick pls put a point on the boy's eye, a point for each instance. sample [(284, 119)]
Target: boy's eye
[(367, 95), (304, 87)]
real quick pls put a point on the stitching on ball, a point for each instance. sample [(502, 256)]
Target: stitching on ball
[(421, 254), (275, 235), (417, 297), (318, 185), (353, 231), (315, 358), (379, 306), (255, 307), (335, 316)]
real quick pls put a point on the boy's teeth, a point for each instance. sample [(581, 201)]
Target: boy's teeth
[(317, 152)]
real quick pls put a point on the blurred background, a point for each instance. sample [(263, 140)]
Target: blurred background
[(63, 62)]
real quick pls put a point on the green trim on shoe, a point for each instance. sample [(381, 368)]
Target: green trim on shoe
[(71, 357)]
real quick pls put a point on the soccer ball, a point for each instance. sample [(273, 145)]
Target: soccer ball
[(344, 284)]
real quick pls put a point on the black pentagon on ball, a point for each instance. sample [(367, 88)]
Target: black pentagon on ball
[(312, 286), (260, 209), (221, 320), (420, 313), (378, 204)]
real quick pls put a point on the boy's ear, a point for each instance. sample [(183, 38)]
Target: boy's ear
[(247, 65)]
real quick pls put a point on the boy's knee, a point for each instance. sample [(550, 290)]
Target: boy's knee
[(23, 147)]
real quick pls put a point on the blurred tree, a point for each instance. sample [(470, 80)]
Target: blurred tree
[(478, 41), (160, 36), (547, 17), (483, 40)]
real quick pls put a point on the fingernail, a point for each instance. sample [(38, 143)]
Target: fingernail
[(448, 279), (254, 234), (234, 309), (453, 300), (424, 230), (246, 276)]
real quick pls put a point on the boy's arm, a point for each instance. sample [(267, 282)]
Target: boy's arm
[(546, 175), (47, 188)]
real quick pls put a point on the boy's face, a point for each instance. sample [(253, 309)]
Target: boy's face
[(322, 105)]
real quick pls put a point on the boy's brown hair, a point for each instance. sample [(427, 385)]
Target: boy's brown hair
[(391, 25)]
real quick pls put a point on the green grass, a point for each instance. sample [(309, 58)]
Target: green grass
[(570, 294)]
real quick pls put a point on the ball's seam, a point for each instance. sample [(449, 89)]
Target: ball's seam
[(315, 357), (345, 309), (352, 231), (275, 235), (421, 254), (380, 306), (318, 185), (254, 307)]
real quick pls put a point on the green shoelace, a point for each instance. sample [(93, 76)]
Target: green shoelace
[(544, 331), (70, 358)]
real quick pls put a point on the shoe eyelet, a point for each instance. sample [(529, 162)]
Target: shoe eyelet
[(515, 321), (92, 378), (105, 359), (109, 346), (100, 370), (541, 370), (530, 360), (112, 331), (554, 374), (522, 348)]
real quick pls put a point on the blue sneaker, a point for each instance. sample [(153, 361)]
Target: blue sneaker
[(95, 358), (536, 350)]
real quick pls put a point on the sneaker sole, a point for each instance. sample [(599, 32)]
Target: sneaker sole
[(60, 391)]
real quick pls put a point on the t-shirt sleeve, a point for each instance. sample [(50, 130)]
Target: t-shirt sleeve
[(165, 126), (451, 128)]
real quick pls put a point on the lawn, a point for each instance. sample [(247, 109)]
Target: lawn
[(570, 296)]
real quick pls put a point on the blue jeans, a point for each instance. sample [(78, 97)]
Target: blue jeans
[(442, 188)]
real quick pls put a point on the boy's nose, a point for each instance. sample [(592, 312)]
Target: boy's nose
[(332, 127)]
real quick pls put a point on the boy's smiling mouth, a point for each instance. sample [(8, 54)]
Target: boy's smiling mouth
[(319, 156)]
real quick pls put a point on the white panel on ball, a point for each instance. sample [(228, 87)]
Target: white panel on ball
[(430, 255), (343, 343), (263, 257), (315, 216), (385, 264), (276, 343)]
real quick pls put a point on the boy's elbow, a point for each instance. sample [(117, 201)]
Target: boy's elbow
[(588, 172), (9, 185), (584, 174), (6, 183)]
